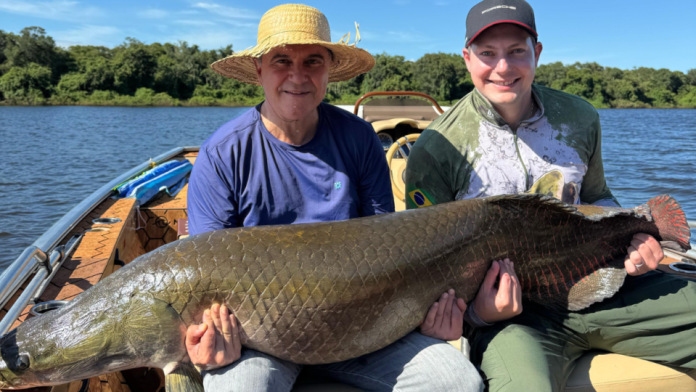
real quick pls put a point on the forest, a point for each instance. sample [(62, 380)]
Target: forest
[(35, 71)]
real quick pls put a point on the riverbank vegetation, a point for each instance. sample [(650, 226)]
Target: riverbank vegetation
[(34, 71)]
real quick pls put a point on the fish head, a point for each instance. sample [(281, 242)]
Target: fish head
[(16, 370), (47, 350), (92, 335)]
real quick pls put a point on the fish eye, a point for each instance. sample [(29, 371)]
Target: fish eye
[(23, 362)]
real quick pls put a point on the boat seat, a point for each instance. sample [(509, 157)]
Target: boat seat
[(161, 220)]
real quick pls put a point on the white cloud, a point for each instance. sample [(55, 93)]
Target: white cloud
[(401, 36), (251, 27), (209, 39), (227, 12), (88, 35), (210, 26), (57, 10), (153, 13), (195, 22)]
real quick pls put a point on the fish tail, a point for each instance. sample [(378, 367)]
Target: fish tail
[(670, 220)]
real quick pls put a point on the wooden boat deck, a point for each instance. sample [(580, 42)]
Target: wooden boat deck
[(93, 258)]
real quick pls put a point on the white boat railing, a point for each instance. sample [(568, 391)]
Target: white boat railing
[(43, 251)]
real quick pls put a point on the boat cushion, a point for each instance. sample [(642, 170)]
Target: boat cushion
[(127, 187), (171, 180)]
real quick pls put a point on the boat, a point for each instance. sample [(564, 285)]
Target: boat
[(103, 233)]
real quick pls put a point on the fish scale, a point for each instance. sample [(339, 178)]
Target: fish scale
[(327, 292)]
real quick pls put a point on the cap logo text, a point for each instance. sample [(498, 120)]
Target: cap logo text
[(499, 6)]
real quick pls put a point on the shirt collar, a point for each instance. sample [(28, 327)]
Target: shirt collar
[(486, 110), (309, 146)]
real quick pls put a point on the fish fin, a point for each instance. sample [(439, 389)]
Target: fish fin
[(598, 286), (673, 245), (530, 200), (603, 283), (184, 378), (670, 220), (597, 213)]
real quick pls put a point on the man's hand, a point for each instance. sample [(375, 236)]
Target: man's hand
[(445, 318), (496, 304), (215, 342), (644, 254)]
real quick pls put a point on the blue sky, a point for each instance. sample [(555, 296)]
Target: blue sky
[(617, 33)]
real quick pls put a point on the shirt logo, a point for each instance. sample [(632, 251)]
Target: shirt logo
[(337, 185), (419, 198)]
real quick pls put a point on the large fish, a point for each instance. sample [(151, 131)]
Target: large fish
[(326, 292)]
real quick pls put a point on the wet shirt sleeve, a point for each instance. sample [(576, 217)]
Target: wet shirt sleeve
[(594, 185), (211, 204), (435, 173)]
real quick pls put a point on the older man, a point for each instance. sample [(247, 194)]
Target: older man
[(503, 138), (294, 159)]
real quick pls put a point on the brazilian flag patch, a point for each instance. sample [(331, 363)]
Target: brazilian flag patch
[(418, 197)]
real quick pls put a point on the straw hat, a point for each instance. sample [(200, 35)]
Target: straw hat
[(296, 24)]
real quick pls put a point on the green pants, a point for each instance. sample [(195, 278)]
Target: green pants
[(652, 317)]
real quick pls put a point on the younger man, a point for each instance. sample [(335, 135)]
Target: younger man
[(501, 139)]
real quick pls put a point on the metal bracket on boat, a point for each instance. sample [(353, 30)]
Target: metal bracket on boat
[(66, 251), (43, 260), (43, 307), (684, 268), (105, 221)]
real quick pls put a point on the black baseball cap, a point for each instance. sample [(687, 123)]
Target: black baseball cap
[(492, 12)]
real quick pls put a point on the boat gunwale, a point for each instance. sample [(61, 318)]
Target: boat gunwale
[(16, 273)]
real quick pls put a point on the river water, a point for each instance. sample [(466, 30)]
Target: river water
[(53, 157)]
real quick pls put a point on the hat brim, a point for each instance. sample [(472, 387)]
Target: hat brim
[(348, 61), (520, 24)]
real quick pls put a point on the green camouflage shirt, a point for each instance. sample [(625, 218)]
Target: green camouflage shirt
[(470, 151)]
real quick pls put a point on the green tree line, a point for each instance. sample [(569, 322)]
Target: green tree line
[(34, 71)]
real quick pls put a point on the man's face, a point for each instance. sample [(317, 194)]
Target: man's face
[(502, 61), (294, 79)]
